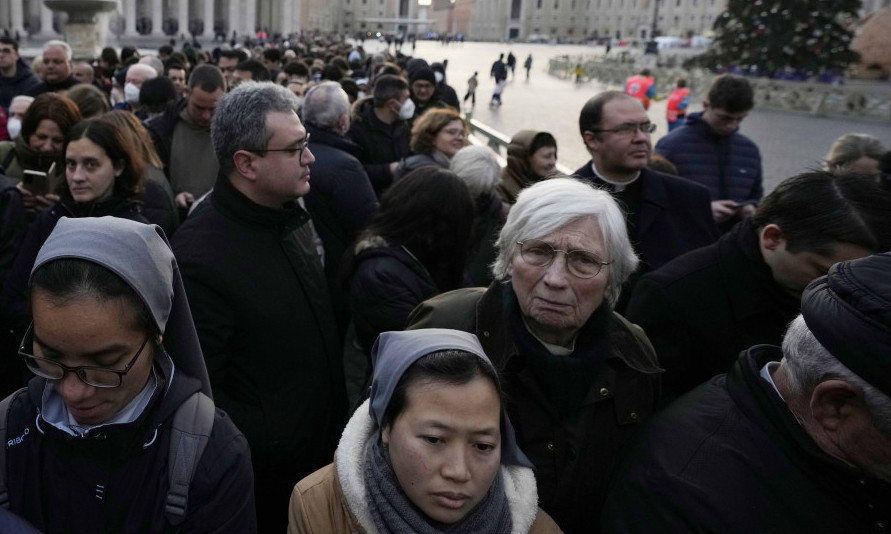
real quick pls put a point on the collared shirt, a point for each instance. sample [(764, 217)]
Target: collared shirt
[(618, 187)]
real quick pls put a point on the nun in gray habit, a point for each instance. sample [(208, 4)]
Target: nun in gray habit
[(115, 355), (430, 451)]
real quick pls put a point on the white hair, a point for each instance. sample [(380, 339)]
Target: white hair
[(324, 104), (148, 70), (55, 42), (153, 62), (549, 205), (808, 363), (478, 168), (21, 98)]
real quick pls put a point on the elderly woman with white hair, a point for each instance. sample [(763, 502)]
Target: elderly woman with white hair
[(579, 378), (477, 167)]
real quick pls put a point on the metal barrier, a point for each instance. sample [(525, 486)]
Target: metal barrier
[(855, 99), (483, 135)]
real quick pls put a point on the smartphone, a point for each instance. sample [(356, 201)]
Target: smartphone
[(37, 182)]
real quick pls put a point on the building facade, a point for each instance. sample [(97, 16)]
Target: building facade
[(491, 20)]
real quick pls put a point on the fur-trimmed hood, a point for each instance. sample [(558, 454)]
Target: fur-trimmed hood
[(360, 433)]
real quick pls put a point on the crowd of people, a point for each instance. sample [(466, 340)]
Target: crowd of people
[(190, 240)]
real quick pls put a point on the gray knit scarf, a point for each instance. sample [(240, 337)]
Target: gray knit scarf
[(393, 513)]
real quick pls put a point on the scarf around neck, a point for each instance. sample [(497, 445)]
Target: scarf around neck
[(393, 513)]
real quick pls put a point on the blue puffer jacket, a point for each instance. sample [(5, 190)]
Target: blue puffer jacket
[(729, 166)]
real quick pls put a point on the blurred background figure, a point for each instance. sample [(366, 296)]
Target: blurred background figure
[(531, 156), (856, 153)]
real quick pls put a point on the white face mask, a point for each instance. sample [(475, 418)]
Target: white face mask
[(14, 127), (131, 93), (438, 76), (407, 110)]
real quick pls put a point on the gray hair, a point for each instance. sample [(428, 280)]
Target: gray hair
[(808, 363), (149, 71), (478, 169), (324, 104), (21, 98), (239, 121), (549, 205), (850, 147), (55, 42), (153, 62)]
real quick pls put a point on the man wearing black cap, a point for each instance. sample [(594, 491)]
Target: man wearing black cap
[(796, 439), (422, 83)]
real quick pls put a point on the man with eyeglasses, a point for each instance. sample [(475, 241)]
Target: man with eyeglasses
[(666, 215), (16, 77), (258, 294), (710, 151), (57, 74)]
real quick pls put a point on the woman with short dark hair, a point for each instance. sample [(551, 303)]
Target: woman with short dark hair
[(414, 248)]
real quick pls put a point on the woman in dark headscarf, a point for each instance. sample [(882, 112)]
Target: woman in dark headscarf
[(430, 451), (531, 157), (115, 354)]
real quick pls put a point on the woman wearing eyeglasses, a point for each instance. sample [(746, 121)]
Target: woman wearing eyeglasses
[(115, 354), (103, 174), (579, 378), (436, 136)]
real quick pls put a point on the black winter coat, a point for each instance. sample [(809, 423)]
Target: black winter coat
[(705, 307), (115, 479), (730, 458), (387, 285), (263, 315), (378, 144), (20, 83), (573, 451)]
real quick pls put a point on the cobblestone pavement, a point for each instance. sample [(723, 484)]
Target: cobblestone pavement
[(790, 142)]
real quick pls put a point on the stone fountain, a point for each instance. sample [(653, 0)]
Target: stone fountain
[(82, 29)]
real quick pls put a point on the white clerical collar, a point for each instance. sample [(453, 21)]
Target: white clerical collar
[(618, 187), (766, 371)]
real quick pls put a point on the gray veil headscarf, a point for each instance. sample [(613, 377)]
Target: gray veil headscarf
[(394, 352), (141, 256)]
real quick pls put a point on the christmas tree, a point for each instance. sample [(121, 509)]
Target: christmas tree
[(765, 37)]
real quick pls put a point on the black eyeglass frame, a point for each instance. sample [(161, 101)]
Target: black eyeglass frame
[(643, 127), (79, 371), (600, 264), (304, 144)]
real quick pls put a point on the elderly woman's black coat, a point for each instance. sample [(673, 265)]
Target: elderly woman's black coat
[(572, 453)]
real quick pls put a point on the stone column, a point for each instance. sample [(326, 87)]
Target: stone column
[(250, 17), (16, 18), (182, 17), (234, 8), (46, 22), (129, 18), (157, 17), (208, 19), (286, 22)]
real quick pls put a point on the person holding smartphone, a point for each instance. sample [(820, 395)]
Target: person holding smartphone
[(38, 147), (103, 174)]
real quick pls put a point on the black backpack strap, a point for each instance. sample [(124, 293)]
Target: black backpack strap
[(7, 160), (189, 435), (4, 444)]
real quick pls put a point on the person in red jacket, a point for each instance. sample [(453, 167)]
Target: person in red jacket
[(642, 87), (676, 111)]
